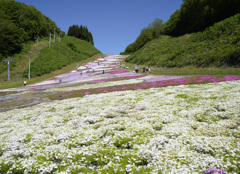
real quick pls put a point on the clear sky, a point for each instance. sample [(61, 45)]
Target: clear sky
[(114, 24)]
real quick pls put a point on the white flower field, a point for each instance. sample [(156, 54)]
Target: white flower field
[(172, 129), (181, 129)]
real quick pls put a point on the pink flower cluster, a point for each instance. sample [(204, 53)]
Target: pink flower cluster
[(145, 85), (120, 72)]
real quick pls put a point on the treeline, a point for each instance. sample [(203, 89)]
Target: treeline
[(20, 23), (194, 16), (81, 32)]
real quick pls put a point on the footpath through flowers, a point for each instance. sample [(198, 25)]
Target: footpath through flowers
[(104, 118)]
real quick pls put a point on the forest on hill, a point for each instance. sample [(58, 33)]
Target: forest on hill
[(197, 15), (218, 46), (193, 16), (21, 23), (81, 32)]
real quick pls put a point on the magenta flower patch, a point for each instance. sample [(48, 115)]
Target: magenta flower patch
[(119, 72), (145, 85)]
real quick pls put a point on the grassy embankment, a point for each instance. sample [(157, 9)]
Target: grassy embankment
[(62, 57), (215, 51)]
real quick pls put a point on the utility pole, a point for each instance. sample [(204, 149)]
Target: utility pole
[(50, 35), (29, 65), (8, 63), (54, 35), (60, 34)]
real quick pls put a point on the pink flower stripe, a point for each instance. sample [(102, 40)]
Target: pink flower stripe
[(146, 85), (155, 79), (118, 78), (119, 72)]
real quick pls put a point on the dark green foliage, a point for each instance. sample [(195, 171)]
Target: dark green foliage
[(196, 15), (153, 30), (218, 45), (145, 36), (61, 54), (21, 23), (156, 25), (81, 32)]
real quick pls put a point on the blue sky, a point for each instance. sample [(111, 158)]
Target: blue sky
[(114, 24)]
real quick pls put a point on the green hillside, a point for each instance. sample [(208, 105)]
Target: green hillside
[(61, 54), (218, 45), (193, 16), (196, 15), (20, 24), (60, 58)]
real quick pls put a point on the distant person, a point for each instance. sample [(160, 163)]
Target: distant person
[(136, 69), (144, 69), (25, 82), (147, 69)]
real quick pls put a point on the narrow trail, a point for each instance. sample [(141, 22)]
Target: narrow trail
[(107, 74)]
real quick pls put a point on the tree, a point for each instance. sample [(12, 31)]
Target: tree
[(156, 25), (81, 32)]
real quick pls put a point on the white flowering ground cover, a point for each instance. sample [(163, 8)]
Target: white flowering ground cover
[(174, 129)]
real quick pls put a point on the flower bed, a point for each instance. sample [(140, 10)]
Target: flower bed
[(143, 85), (175, 129)]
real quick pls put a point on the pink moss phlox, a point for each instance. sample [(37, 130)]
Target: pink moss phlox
[(214, 170), (162, 78), (146, 85), (119, 72)]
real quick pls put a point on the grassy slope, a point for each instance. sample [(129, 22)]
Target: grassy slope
[(218, 45), (86, 51), (61, 54)]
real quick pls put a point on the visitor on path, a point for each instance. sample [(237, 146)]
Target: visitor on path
[(144, 69), (103, 72), (25, 82), (136, 69), (148, 69)]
